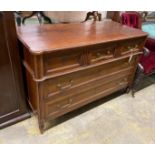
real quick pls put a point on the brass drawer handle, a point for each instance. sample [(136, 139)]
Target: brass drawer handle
[(65, 105), (136, 46), (108, 52), (70, 100), (122, 82), (125, 79), (98, 54), (63, 88), (58, 106), (132, 49), (129, 47), (58, 85), (71, 81)]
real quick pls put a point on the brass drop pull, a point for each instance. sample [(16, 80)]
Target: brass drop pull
[(129, 47), (108, 52), (121, 83), (125, 79), (59, 85), (136, 46), (71, 81), (58, 106), (65, 87), (70, 100), (98, 54)]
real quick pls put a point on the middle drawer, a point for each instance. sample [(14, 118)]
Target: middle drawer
[(74, 81)]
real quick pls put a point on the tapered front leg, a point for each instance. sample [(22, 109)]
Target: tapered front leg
[(41, 126)]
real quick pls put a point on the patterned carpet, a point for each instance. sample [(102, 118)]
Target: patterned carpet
[(121, 120)]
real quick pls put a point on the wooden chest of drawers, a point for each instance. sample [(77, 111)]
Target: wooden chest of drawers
[(71, 65)]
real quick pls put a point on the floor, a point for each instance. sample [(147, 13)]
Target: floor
[(122, 119)]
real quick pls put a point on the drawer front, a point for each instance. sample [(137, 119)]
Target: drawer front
[(62, 61), (64, 83), (101, 52), (61, 106), (129, 46), (89, 84)]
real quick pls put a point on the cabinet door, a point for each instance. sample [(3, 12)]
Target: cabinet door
[(12, 99)]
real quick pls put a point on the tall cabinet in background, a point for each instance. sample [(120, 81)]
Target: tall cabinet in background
[(13, 106)]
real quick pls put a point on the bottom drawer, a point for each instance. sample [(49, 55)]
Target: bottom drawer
[(68, 104)]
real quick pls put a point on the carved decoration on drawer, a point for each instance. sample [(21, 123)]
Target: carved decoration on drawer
[(129, 46), (101, 52), (65, 87)]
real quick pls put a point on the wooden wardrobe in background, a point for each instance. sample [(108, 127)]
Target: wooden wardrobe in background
[(13, 106)]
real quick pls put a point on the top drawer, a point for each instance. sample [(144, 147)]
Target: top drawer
[(63, 60), (101, 52), (127, 47)]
